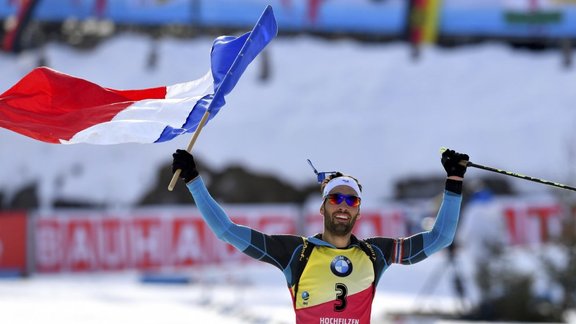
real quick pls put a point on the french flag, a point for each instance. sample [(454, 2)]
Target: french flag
[(54, 107)]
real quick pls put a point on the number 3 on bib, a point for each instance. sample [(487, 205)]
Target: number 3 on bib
[(341, 294)]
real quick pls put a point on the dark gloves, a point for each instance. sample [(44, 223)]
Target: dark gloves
[(185, 162), (451, 161)]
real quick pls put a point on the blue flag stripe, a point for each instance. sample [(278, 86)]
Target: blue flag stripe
[(230, 56)]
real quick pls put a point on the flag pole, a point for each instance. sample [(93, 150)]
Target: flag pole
[(189, 147)]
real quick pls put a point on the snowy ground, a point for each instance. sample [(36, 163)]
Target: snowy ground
[(251, 293)]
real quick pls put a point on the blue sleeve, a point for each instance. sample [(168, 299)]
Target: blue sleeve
[(444, 230), (278, 250), (218, 221), (420, 246)]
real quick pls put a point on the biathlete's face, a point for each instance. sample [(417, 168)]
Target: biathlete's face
[(340, 209)]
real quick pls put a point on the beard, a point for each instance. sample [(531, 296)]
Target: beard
[(339, 228)]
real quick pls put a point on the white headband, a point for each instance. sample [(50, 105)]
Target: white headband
[(341, 181)]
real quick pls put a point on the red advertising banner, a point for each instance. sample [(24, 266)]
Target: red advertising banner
[(13, 241), (532, 223), (144, 239), (170, 238)]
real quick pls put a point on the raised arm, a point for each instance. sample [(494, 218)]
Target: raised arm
[(274, 249), (213, 214), (420, 246), (216, 218)]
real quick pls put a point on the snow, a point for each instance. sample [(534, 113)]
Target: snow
[(364, 109), (249, 294)]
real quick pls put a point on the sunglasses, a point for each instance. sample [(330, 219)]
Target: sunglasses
[(337, 199)]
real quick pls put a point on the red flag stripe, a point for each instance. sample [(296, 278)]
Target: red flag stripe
[(79, 104)]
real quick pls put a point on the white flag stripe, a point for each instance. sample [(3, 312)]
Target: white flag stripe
[(144, 121)]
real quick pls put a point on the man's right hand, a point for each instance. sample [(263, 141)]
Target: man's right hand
[(185, 162)]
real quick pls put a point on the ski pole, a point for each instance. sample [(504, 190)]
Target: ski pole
[(517, 175), (521, 176)]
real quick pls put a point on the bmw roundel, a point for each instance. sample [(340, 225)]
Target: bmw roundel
[(341, 266)]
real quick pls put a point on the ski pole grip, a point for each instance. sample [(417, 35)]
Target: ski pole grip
[(462, 163)]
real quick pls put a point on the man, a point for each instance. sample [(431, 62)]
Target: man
[(332, 276)]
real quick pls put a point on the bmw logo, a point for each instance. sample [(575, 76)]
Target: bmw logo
[(341, 266)]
